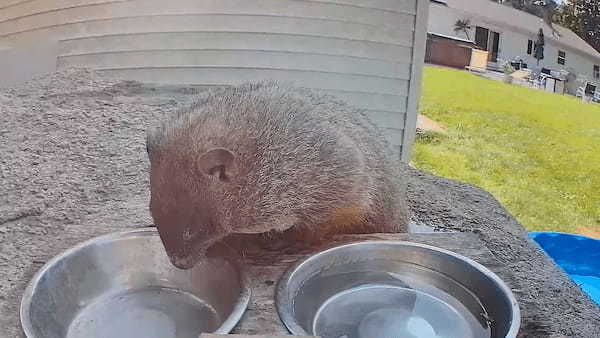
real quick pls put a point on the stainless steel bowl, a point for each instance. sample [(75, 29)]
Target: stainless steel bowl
[(123, 285), (395, 289)]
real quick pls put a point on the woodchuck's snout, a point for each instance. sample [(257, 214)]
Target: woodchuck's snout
[(266, 157)]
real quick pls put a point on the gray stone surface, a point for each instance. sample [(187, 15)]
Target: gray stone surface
[(73, 166)]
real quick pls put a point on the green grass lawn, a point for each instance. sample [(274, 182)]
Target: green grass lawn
[(538, 153)]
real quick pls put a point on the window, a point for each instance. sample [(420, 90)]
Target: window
[(562, 57), (486, 39), (481, 37), (596, 72), (529, 47)]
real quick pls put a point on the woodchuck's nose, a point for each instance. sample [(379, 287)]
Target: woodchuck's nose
[(184, 245)]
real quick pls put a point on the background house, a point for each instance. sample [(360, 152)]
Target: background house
[(368, 53), (509, 34)]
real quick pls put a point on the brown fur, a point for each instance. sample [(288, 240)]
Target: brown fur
[(349, 217), (266, 157)]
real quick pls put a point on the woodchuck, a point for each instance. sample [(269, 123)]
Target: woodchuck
[(266, 157)]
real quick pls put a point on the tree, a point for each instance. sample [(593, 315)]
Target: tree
[(463, 26), (580, 16), (567, 16), (545, 9), (583, 18), (589, 12)]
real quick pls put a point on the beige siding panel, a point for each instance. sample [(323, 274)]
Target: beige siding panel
[(37, 7), (219, 23), (18, 8), (393, 136), (402, 6), (55, 11), (401, 149), (238, 41), (387, 119), (38, 60), (394, 103), (397, 150), (360, 51), (241, 59), (414, 94), (377, 21), (9, 3), (229, 75)]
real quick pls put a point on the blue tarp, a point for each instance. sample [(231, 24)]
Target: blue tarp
[(578, 256)]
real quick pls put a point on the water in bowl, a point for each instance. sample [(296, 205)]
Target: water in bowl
[(388, 305), (152, 312)]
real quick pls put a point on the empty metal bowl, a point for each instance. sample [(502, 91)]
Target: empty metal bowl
[(123, 285), (395, 289)]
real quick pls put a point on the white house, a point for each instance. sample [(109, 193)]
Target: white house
[(509, 34)]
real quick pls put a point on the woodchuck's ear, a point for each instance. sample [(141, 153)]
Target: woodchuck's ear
[(218, 162)]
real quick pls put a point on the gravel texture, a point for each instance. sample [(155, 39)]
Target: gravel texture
[(73, 165)]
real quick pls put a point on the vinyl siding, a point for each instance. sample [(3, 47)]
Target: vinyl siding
[(360, 51)]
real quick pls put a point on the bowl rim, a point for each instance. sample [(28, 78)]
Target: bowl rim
[(228, 324), (286, 309)]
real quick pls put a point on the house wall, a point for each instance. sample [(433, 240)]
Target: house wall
[(515, 45), (513, 42), (368, 53), (17, 64)]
